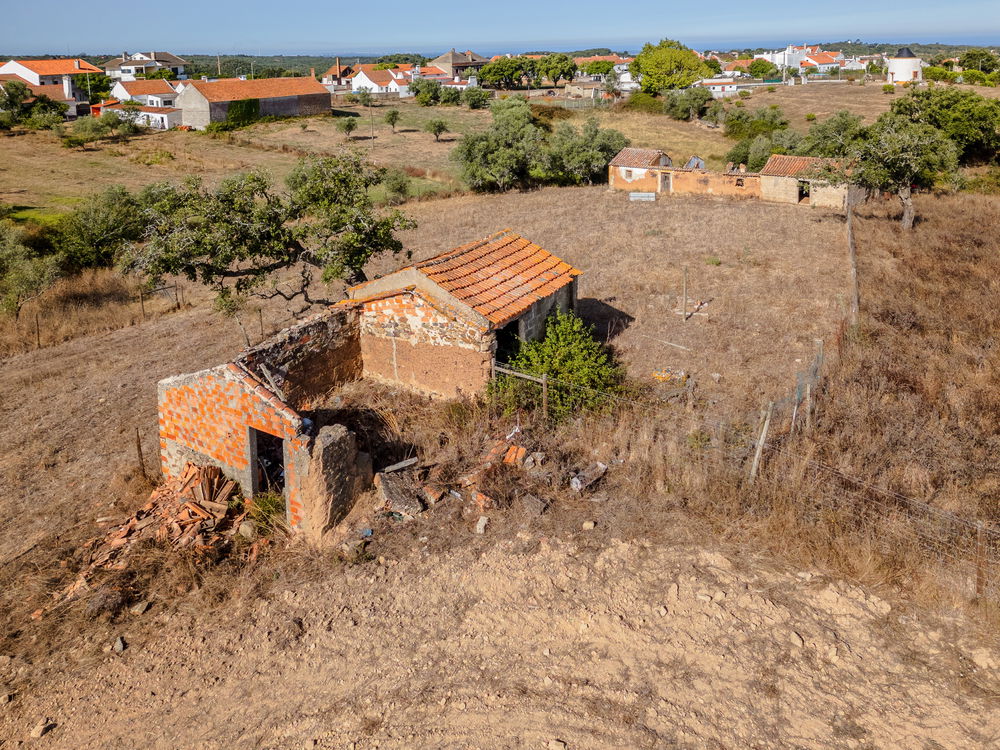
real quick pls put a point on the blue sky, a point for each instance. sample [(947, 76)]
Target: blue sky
[(268, 27)]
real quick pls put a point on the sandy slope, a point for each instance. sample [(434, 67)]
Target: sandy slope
[(530, 641)]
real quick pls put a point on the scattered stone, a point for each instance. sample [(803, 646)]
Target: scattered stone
[(598, 497), (433, 494), (672, 592), (532, 505), (398, 495), (982, 658), (401, 465), (719, 595), (796, 640), (588, 476), (119, 645), (703, 597), (662, 611), (547, 681), (140, 608), (248, 530), (588, 525), (43, 727), (6, 698), (483, 501), (557, 745), (481, 524), (535, 459)]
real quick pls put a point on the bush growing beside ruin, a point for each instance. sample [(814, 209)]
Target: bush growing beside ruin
[(583, 374)]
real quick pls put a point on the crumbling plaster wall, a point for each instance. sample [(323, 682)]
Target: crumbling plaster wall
[(407, 339), (634, 179), (703, 182)]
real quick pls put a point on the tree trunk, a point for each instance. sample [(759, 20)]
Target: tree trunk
[(908, 211)]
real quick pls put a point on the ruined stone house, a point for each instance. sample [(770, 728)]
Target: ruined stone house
[(433, 327)]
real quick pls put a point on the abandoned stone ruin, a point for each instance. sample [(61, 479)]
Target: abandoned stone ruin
[(433, 327), (783, 179)]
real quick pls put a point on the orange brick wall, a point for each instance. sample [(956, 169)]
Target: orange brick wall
[(205, 416), (715, 183), (407, 340)]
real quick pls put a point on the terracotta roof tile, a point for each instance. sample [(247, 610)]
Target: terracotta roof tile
[(637, 157), (70, 66), (260, 88), (500, 276), (151, 86), (781, 165)]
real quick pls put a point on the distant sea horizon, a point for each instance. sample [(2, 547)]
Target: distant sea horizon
[(489, 49)]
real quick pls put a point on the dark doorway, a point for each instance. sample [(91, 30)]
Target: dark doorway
[(803, 191), (507, 342), (269, 462)]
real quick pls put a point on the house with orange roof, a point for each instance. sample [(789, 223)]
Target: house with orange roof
[(203, 102), (154, 92), (68, 74), (433, 327)]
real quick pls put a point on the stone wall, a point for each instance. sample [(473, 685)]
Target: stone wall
[(701, 182), (779, 189), (311, 359), (206, 418), (531, 325), (407, 339), (828, 196)]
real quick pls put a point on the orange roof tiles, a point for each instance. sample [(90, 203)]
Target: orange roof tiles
[(500, 276), (738, 64), (637, 158), (781, 165), (151, 86), (70, 66), (260, 88)]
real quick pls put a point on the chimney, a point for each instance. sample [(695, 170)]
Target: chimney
[(67, 86), (312, 72), (76, 63), (338, 65)]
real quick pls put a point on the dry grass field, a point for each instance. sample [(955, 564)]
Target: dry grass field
[(824, 99)]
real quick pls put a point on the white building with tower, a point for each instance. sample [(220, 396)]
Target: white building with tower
[(904, 67)]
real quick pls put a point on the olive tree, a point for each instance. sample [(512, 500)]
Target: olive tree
[(244, 237)]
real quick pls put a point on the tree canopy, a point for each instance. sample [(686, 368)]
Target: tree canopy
[(667, 65), (237, 237), (598, 67), (556, 67), (761, 68), (970, 120), (508, 72)]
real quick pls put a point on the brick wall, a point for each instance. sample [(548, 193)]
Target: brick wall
[(311, 359), (205, 417), (406, 339)]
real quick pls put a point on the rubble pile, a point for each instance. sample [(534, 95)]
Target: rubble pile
[(191, 511)]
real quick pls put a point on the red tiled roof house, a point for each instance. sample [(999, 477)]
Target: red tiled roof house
[(437, 325), (635, 170), (433, 327), (798, 179), (203, 102)]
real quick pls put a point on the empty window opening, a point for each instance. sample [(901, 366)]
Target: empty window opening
[(803, 191), (739, 182), (507, 342), (628, 174), (269, 462)]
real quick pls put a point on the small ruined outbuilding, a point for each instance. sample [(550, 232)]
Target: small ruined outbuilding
[(434, 327)]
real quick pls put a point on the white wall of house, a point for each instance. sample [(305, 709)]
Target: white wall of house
[(15, 68)]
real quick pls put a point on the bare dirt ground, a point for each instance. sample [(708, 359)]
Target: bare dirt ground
[(537, 642)]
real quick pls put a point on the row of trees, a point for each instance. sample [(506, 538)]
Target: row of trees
[(513, 72), (428, 92), (519, 150)]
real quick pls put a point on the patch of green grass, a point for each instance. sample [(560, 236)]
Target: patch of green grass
[(712, 260), (38, 215), (268, 511)]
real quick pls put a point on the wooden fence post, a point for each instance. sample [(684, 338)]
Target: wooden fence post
[(684, 309), (760, 443), (142, 304), (177, 299), (980, 561), (138, 452), (853, 256), (38, 333), (545, 396), (260, 318), (808, 406)]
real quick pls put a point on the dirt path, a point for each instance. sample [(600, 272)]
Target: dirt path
[(530, 642)]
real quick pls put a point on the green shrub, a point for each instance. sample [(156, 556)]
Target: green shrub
[(744, 94), (397, 186), (810, 117), (643, 102), (350, 98), (582, 373), (888, 89), (243, 112), (713, 260), (267, 509), (475, 97), (772, 89), (450, 95)]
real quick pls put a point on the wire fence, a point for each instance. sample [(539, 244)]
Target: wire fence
[(963, 553)]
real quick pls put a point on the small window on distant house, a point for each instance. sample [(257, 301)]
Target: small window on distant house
[(628, 174), (739, 182)]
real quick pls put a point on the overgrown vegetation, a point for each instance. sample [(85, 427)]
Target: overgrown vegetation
[(582, 373), (517, 151), (19, 106)]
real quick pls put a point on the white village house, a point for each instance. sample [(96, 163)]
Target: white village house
[(155, 92), (60, 79), (139, 64)]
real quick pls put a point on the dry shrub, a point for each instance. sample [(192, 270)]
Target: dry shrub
[(89, 302)]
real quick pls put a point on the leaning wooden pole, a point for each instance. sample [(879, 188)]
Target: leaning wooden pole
[(853, 255)]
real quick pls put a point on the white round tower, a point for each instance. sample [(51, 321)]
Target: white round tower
[(904, 67)]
